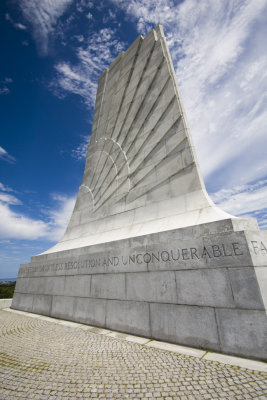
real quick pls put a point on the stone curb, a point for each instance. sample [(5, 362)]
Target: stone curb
[(189, 351)]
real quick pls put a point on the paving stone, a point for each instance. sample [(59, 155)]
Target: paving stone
[(44, 360)]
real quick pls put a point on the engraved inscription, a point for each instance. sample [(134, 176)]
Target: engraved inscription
[(258, 247), (164, 256)]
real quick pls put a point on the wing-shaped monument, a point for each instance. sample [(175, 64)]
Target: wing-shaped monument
[(146, 251)]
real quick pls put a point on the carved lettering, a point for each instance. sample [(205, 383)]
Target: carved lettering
[(175, 258), (138, 258), (132, 259), (225, 252), (166, 256), (147, 258), (258, 247), (193, 252), (216, 250), (185, 254), (205, 253), (211, 251), (154, 256), (236, 249), (125, 261)]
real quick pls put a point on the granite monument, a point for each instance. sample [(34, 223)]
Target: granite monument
[(146, 251)]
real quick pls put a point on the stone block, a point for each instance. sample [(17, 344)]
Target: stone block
[(22, 302), (243, 332), (185, 325), (62, 307), (151, 286), (261, 274), (90, 311), (23, 285), (257, 242), (246, 290), (108, 286), (42, 304), (77, 285), (207, 287), (53, 285), (128, 316)]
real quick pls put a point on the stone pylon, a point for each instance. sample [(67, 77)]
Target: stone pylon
[(141, 174), (146, 251)]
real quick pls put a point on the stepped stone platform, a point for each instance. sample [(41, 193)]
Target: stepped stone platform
[(146, 251)]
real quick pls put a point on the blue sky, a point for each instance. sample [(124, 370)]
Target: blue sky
[(52, 53)]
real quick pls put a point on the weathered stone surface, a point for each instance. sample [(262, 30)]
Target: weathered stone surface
[(246, 289), (42, 304), (22, 301), (90, 311), (128, 316), (206, 287), (63, 307), (243, 328), (185, 325), (152, 287), (146, 252)]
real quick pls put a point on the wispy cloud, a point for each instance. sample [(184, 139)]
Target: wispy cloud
[(9, 199), (4, 85), (6, 157), (5, 188), (42, 16), (16, 25), (82, 5), (79, 153), (245, 200), (4, 90), (93, 58)]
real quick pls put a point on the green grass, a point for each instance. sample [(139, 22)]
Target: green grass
[(7, 290)]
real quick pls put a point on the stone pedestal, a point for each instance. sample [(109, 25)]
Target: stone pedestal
[(200, 286)]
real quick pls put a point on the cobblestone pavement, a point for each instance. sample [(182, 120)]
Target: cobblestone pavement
[(44, 360)]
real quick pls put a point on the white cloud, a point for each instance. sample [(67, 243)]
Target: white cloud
[(80, 152), (245, 200), (4, 89), (20, 26), (59, 216), (93, 58), (9, 198), (75, 80), (16, 225), (5, 188), (17, 25), (82, 5), (5, 156), (43, 16)]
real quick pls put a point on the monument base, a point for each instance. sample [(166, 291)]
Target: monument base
[(201, 286)]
